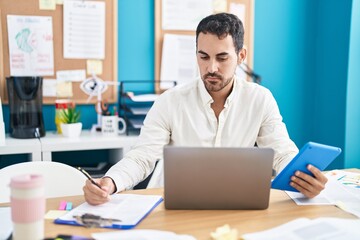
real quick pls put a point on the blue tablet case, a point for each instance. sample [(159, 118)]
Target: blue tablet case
[(318, 155)]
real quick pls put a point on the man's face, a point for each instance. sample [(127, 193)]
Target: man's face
[(217, 60)]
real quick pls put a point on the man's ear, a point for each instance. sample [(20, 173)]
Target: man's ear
[(241, 55)]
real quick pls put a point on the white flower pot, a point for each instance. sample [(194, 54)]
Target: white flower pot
[(71, 130)]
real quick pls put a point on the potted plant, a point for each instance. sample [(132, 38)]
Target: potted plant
[(70, 125)]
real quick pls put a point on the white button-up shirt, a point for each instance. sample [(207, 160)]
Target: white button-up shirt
[(183, 116)]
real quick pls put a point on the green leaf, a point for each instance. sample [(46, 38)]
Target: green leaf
[(70, 115)]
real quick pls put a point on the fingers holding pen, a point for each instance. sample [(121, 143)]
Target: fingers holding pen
[(95, 195)]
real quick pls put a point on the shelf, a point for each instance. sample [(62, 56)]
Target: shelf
[(136, 123), (134, 105), (142, 97), (30, 147), (88, 140), (53, 145), (139, 110)]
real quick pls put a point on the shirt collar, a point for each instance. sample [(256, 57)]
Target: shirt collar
[(233, 92), (204, 94), (206, 97)]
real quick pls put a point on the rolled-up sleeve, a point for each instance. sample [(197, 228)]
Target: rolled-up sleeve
[(140, 161)]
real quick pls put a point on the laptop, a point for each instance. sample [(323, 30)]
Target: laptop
[(217, 178)]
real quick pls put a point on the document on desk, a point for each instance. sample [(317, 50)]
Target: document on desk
[(129, 208), (5, 222), (306, 229), (341, 190), (141, 234)]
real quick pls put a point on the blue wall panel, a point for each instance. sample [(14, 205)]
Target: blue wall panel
[(283, 41), (332, 47), (301, 52), (136, 40), (352, 152)]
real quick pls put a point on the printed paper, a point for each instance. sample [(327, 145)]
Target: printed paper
[(178, 62), (71, 75), (184, 14), (49, 87), (30, 45), (84, 29)]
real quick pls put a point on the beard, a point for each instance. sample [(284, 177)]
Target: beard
[(215, 85)]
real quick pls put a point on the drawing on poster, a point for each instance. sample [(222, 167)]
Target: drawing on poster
[(31, 50)]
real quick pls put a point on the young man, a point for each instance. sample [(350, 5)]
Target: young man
[(218, 110)]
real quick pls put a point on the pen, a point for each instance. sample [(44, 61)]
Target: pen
[(88, 176)]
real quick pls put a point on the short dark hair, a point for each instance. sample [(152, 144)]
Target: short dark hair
[(223, 24)]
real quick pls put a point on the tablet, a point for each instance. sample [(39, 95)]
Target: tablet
[(318, 155)]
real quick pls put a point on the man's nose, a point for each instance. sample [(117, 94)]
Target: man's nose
[(213, 67)]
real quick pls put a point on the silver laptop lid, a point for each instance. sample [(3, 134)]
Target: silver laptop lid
[(217, 178)]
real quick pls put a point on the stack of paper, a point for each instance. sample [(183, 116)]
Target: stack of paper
[(342, 190), (5, 222), (143, 97), (306, 229), (143, 234)]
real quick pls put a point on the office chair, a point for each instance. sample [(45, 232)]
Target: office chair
[(60, 179)]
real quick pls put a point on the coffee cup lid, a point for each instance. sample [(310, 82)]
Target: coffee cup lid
[(27, 181)]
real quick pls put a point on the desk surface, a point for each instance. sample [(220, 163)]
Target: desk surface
[(16, 146), (200, 223), (40, 150), (86, 141), (57, 142)]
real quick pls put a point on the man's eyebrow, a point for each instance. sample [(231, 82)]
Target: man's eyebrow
[(218, 55), (202, 52), (222, 54)]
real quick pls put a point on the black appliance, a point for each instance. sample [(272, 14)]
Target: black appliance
[(25, 103)]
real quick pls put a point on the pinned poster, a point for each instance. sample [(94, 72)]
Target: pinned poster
[(184, 14), (178, 60), (31, 51), (84, 29), (239, 10)]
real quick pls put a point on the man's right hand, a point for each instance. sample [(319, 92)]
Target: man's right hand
[(94, 195)]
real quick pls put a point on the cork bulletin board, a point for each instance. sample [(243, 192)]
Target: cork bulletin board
[(159, 32), (31, 8)]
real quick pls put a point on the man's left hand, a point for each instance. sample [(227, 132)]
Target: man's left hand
[(308, 185)]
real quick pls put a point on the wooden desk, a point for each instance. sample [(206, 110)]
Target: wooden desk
[(200, 223)]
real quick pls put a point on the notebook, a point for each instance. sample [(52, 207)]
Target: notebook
[(217, 178)]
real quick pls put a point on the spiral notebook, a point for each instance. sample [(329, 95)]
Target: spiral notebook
[(127, 210)]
